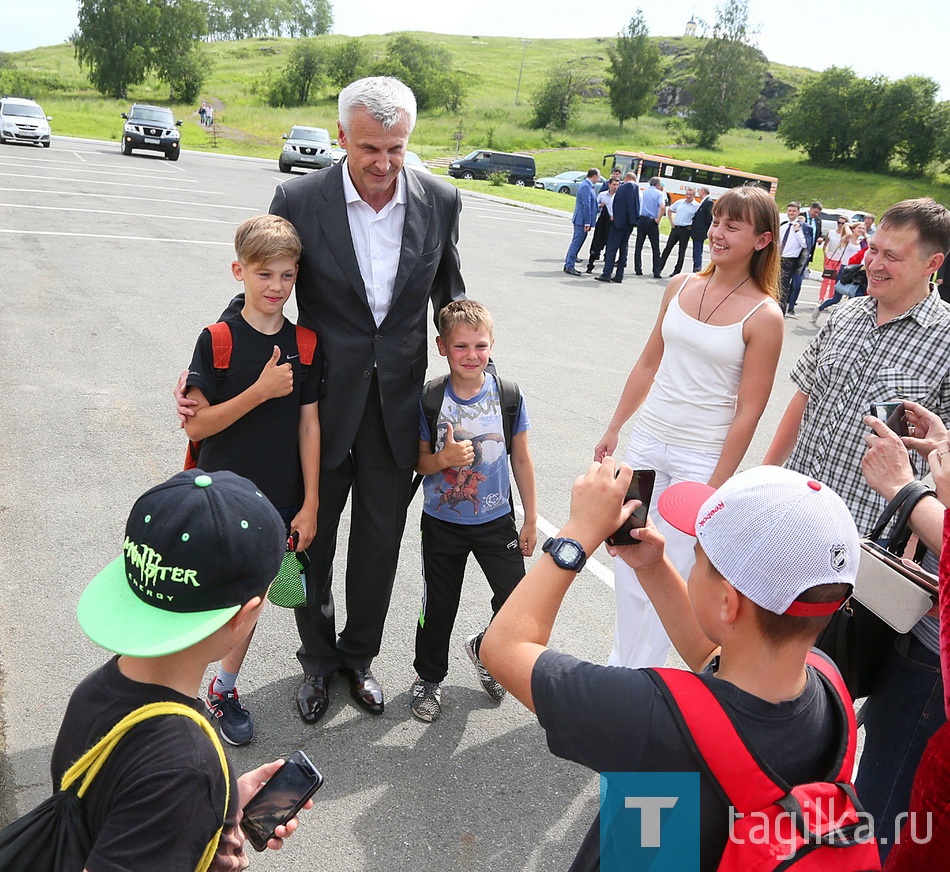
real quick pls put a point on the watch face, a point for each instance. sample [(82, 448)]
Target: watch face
[(569, 552)]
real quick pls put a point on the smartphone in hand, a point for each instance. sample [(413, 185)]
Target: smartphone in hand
[(641, 488), (893, 414), (285, 793)]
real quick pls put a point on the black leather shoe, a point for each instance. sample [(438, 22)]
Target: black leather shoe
[(639, 273), (657, 276), (572, 272), (365, 689), (313, 697), (617, 280), (601, 278), (590, 268)]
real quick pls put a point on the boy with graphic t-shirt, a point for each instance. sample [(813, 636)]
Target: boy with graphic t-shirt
[(258, 417), (467, 500)]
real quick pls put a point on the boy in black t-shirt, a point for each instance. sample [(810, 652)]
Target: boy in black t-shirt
[(258, 417), (199, 553), (777, 555)]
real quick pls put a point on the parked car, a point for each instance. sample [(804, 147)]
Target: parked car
[(829, 219), (563, 183), (153, 128), (22, 120), (480, 164), (306, 147)]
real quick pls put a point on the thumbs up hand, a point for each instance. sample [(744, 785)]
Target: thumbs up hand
[(456, 453), (274, 380)]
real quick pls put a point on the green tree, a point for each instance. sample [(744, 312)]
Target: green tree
[(347, 62), (919, 127), (821, 119), (315, 17), (121, 41), (428, 69), (556, 100), (304, 72), (635, 71), (727, 75)]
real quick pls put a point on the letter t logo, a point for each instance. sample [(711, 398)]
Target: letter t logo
[(650, 807)]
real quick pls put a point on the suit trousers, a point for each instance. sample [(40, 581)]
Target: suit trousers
[(445, 550), (790, 266), (678, 235), (574, 249), (618, 241), (698, 242), (379, 492), (647, 228)]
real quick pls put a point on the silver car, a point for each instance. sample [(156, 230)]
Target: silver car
[(563, 183), (305, 147)]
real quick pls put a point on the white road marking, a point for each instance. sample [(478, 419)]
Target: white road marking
[(150, 215), (116, 184), (244, 209), (112, 236)]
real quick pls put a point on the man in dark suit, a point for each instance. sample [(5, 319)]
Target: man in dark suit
[(699, 229), (379, 243), (626, 212)]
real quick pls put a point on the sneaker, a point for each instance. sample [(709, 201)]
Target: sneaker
[(814, 315), (229, 713), (426, 700), (489, 685)]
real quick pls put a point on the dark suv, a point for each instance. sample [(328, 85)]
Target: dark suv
[(153, 128)]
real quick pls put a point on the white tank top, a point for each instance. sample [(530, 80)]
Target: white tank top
[(693, 399)]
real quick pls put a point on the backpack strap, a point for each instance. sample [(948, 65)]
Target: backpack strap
[(221, 345), (89, 765), (749, 784), (306, 344), (432, 395), (509, 395)]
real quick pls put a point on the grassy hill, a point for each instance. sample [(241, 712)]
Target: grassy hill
[(490, 116)]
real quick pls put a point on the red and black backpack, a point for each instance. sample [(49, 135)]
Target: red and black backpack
[(818, 826), (221, 346)]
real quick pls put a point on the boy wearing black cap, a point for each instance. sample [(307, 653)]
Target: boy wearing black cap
[(777, 554), (199, 553)]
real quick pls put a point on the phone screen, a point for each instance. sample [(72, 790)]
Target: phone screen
[(893, 415), (641, 488), (280, 799)]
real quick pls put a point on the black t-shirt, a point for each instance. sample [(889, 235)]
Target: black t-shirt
[(159, 798), (261, 445), (613, 719)]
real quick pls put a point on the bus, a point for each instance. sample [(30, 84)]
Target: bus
[(678, 174)]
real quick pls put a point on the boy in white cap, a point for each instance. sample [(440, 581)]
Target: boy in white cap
[(200, 551), (777, 555)]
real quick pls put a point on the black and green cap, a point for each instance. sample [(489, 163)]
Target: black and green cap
[(197, 548)]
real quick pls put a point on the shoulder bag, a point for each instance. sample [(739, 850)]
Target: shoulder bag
[(53, 837)]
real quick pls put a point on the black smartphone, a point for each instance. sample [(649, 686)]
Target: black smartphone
[(641, 488), (280, 799), (892, 414)]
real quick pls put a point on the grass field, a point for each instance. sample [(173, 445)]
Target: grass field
[(490, 117)]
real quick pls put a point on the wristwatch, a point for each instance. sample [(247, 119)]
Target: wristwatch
[(567, 553)]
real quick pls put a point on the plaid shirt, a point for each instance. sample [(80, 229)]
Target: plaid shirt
[(852, 363)]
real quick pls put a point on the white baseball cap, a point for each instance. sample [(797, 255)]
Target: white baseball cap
[(772, 533)]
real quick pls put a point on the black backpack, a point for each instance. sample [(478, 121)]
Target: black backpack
[(509, 395)]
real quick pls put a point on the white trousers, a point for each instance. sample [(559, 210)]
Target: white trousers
[(639, 637)]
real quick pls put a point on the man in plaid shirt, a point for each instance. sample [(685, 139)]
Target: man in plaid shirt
[(892, 344)]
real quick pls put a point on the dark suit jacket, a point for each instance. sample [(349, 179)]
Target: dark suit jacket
[(331, 299), (702, 219), (627, 206)]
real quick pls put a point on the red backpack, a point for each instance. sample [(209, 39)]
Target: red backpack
[(817, 826), (221, 345)]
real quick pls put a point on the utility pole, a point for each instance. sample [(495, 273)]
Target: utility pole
[(524, 47)]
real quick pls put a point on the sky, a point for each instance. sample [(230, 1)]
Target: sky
[(871, 37)]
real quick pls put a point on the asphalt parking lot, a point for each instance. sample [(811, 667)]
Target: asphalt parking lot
[(112, 265)]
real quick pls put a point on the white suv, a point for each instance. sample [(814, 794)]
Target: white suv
[(22, 120)]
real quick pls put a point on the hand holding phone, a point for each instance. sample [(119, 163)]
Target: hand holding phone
[(641, 488), (279, 800)]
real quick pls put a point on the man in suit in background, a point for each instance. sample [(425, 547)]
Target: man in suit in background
[(626, 211), (584, 217), (795, 240), (378, 244), (699, 229)]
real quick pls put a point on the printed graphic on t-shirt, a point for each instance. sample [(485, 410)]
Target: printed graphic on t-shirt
[(477, 493)]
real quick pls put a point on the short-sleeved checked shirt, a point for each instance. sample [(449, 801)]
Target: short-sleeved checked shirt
[(852, 363)]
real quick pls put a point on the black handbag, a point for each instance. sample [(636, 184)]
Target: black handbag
[(856, 639)]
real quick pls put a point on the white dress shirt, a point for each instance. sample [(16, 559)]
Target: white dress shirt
[(377, 239)]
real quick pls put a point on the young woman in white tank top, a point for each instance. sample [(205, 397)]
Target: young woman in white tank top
[(700, 385)]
